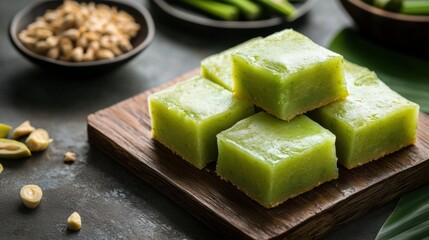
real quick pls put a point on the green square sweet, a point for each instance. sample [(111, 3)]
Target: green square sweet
[(271, 160), (371, 122), (187, 116), (218, 69), (287, 74)]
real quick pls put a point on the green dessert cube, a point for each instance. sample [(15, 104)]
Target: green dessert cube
[(271, 160), (218, 69), (287, 74), (187, 116), (371, 122)]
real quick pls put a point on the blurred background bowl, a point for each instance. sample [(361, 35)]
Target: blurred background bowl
[(406, 33), (29, 14), (185, 15)]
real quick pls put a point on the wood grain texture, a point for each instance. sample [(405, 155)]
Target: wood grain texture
[(123, 132)]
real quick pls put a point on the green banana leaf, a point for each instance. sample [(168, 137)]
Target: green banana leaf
[(410, 77), (406, 75), (409, 219)]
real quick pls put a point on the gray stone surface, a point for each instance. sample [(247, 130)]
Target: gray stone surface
[(113, 203)]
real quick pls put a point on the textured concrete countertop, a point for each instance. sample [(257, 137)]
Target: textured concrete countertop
[(113, 203)]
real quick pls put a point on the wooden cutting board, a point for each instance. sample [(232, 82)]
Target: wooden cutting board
[(123, 132)]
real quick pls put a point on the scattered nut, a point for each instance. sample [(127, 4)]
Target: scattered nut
[(22, 130), (38, 140), (69, 157), (1, 168), (31, 195), (70, 31), (74, 222)]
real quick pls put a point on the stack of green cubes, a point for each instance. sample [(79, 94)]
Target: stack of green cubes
[(280, 153)]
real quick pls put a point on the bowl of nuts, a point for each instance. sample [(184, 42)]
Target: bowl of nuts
[(86, 35)]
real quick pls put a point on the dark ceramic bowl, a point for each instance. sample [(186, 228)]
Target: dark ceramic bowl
[(399, 31), (28, 15), (184, 15)]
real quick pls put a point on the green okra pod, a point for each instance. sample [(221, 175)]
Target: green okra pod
[(415, 7), (216, 9), (249, 9), (281, 6)]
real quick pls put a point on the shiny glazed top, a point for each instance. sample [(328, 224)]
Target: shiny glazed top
[(369, 100), (198, 98), (273, 140), (285, 53)]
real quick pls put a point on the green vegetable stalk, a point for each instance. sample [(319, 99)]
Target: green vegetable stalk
[(250, 10), (391, 5), (281, 6), (411, 7), (415, 7), (216, 9)]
